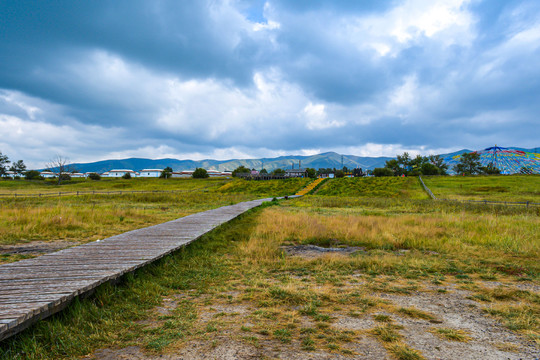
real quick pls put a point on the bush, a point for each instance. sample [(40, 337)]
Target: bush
[(378, 172), (311, 173), (126, 176), (430, 169), (200, 173), (65, 177), (339, 173), (94, 176), (33, 175), (166, 173), (241, 170)]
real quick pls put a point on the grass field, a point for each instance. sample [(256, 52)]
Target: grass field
[(107, 184), (416, 279), (387, 187), (84, 218), (496, 188)]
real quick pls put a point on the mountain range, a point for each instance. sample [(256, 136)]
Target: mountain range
[(324, 160)]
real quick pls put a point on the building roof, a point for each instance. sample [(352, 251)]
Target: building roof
[(301, 170)]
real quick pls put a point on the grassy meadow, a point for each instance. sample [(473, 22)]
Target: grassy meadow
[(519, 188), (87, 217), (417, 266), (385, 187)]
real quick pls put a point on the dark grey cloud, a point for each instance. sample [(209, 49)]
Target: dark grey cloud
[(214, 77)]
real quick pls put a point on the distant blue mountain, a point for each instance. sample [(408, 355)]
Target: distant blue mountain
[(324, 160)]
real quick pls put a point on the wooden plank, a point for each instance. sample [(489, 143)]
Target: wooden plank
[(33, 289)]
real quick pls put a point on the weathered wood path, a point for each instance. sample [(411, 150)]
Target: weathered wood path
[(33, 289)]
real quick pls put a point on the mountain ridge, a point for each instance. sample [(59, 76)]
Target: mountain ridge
[(328, 159)]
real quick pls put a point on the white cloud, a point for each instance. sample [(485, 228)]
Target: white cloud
[(317, 119), (446, 22)]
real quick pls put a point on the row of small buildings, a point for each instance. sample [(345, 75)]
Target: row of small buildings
[(144, 173)]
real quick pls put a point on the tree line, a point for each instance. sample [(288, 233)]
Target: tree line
[(405, 165), (18, 167)]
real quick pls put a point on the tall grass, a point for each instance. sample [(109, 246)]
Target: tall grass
[(481, 239), (89, 217), (136, 184)]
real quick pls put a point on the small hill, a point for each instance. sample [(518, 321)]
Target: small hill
[(325, 160)]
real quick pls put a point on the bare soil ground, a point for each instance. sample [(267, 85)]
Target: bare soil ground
[(229, 327)]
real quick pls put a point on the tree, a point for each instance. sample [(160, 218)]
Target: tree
[(311, 173), (126, 176), (60, 166), (166, 173), (394, 166), (439, 163), (278, 172), (200, 173), (4, 161), (33, 175), (405, 162), (429, 169), (469, 164), (241, 170), (339, 173), (526, 170), (263, 171), (94, 176), (491, 169), (357, 172), (18, 167), (378, 172)]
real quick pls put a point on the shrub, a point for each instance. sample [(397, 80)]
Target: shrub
[(382, 172), (126, 176), (241, 170), (33, 175), (94, 176), (200, 173)]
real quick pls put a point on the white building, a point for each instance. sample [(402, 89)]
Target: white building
[(76, 175), (48, 174), (182, 174), (155, 173), (118, 173)]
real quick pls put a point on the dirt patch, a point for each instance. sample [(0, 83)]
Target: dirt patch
[(314, 251), (36, 247), (235, 334), (454, 311)]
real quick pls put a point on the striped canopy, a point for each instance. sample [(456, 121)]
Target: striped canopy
[(509, 161)]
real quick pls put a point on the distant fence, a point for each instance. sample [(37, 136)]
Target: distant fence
[(426, 188), (97, 192), (483, 202)]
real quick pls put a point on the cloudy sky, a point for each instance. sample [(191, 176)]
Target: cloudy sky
[(93, 80)]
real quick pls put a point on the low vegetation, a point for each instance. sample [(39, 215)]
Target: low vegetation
[(415, 267), (515, 188), (386, 187)]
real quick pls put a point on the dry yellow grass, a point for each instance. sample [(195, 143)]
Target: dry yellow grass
[(446, 233)]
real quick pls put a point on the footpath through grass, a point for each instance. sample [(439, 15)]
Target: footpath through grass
[(84, 218)]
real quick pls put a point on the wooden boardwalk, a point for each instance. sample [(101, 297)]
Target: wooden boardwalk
[(33, 289)]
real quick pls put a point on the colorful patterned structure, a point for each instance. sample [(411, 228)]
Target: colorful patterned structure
[(509, 161)]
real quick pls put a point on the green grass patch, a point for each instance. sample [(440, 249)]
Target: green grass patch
[(513, 188), (387, 187)]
